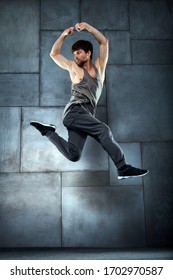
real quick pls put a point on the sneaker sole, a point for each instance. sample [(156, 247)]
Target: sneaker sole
[(134, 176), (45, 124)]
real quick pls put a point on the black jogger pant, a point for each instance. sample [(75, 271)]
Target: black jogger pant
[(80, 123)]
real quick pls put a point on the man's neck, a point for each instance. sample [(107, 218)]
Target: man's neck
[(88, 65)]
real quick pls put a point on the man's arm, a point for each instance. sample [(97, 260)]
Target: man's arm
[(102, 40), (55, 53), (102, 60)]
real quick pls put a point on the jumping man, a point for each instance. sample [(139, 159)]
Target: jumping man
[(87, 79)]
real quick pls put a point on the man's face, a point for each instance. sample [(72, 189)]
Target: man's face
[(80, 57)]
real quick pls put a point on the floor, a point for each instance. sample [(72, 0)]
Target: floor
[(85, 254)]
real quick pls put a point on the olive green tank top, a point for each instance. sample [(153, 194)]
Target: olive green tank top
[(88, 90)]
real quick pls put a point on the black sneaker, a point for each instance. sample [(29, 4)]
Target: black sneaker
[(43, 128), (131, 172)]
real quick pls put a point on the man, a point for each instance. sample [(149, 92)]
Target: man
[(79, 114)]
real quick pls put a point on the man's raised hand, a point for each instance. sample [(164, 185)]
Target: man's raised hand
[(80, 26), (68, 31)]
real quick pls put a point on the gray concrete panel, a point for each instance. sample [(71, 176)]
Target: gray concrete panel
[(30, 212), (151, 19), (89, 255), (132, 153), (159, 193), (19, 36), (106, 15), (10, 139), (57, 15), (46, 157), (85, 178), (103, 217), (55, 82), (119, 47), (140, 102), (152, 51), (19, 89)]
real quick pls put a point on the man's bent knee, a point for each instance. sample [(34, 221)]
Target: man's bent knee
[(74, 158), (75, 154)]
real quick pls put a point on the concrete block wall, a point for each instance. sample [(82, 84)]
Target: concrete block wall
[(47, 201)]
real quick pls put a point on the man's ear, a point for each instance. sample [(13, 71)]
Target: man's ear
[(89, 53)]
